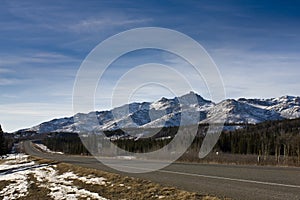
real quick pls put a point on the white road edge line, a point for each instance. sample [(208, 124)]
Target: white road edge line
[(231, 179), (216, 177)]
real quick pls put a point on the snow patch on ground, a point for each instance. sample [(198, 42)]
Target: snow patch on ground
[(11, 170), (45, 149), (17, 168), (61, 186)]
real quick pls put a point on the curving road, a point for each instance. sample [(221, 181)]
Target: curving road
[(237, 182)]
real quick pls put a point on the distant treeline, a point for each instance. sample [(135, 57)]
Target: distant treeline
[(5, 143), (69, 143), (277, 138), (272, 138)]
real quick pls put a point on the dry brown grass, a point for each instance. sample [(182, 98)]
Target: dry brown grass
[(2, 161), (42, 160), (124, 187), (236, 159)]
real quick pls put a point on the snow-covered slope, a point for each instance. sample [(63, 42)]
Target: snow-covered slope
[(286, 106), (169, 112), (239, 112)]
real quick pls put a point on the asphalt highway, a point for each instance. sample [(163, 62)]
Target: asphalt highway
[(237, 182)]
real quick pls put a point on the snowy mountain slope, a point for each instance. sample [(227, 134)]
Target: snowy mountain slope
[(286, 106), (239, 112), (54, 124), (187, 109)]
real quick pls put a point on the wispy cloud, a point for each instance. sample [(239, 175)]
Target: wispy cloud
[(62, 19), (103, 23), (10, 96), (248, 73), (5, 70), (9, 81), (34, 57)]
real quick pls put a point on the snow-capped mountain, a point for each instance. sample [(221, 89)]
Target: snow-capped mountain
[(169, 112)]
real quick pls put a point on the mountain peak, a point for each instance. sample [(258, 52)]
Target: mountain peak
[(287, 97), (163, 99), (193, 98)]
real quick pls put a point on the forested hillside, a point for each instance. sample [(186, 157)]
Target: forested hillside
[(268, 138)]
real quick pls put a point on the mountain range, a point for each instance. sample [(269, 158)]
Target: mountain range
[(167, 113)]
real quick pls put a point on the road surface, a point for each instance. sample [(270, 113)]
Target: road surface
[(237, 182)]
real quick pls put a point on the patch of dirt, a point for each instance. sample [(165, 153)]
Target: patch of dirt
[(35, 191), (3, 184)]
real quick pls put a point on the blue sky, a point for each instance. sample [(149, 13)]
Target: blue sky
[(255, 45)]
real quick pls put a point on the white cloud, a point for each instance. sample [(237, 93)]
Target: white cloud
[(102, 23), (40, 57), (62, 19), (9, 81), (5, 70), (254, 74), (23, 115)]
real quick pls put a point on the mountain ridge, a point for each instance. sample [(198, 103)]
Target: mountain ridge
[(167, 112)]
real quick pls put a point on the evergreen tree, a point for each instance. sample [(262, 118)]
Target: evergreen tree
[(3, 148)]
